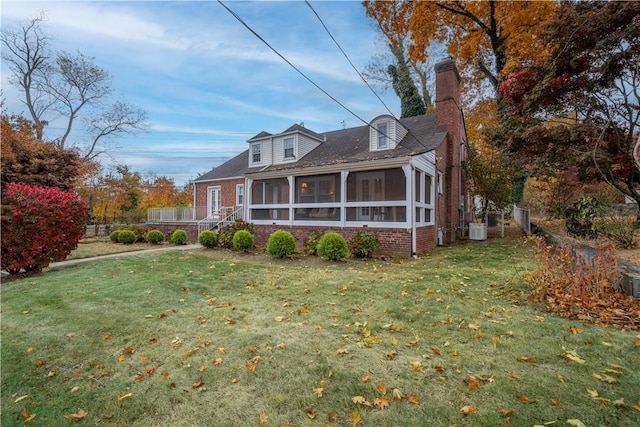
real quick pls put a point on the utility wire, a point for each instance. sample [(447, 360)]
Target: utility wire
[(358, 72), (235, 15)]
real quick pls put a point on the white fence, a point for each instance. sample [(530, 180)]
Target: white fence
[(176, 214), (522, 218)]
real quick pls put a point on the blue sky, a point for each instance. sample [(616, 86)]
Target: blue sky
[(207, 83)]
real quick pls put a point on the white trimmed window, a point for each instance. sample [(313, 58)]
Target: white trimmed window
[(288, 148), (256, 153), (239, 194), (383, 136)]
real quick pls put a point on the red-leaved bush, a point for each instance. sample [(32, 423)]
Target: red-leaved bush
[(39, 225)]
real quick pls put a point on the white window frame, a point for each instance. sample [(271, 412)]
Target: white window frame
[(382, 136), (256, 149), (440, 183), (239, 194), (285, 148)]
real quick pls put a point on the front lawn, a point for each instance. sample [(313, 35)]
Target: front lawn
[(212, 337)]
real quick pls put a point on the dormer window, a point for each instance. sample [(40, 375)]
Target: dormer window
[(288, 148), (256, 153), (383, 136)]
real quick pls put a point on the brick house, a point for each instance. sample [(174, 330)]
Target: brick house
[(400, 179)]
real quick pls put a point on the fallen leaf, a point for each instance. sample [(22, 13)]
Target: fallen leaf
[(509, 411), (122, 358), (514, 376), (279, 318), (381, 402), (526, 359), (412, 398), (128, 350), (202, 368), (573, 356), (263, 418), (122, 396), (217, 361), (560, 377), (106, 337), (604, 378), (107, 417), (360, 400), (311, 413), (27, 417), (575, 330), (364, 378), (637, 406), (576, 423), (318, 391), (342, 351), (523, 398), (143, 358), (199, 383), (355, 418), (468, 410), (74, 389), (78, 415), (436, 350), (332, 416), (21, 398), (164, 374), (555, 402), (397, 394), (381, 388)]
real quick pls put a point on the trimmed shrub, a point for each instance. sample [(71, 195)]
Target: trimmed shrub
[(179, 237), (114, 236), (127, 237), (155, 237), (226, 234), (208, 239), (39, 225), (139, 231), (363, 244), (311, 242), (243, 240), (281, 244), (332, 246)]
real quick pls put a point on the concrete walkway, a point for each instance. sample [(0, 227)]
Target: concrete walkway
[(67, 263)]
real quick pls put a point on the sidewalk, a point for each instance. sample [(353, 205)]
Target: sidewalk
[(62, 264)]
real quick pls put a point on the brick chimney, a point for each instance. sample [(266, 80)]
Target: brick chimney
[(448, 155)]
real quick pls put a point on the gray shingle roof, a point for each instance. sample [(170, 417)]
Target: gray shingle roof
[(352, 145), (343, 146)]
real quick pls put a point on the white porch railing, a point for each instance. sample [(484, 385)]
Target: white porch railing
[(225, 216), (522, 218), (177, 214)]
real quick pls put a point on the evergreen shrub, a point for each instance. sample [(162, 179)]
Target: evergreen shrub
[(243, 241), (208, 239), (281, 244), (332, 246)]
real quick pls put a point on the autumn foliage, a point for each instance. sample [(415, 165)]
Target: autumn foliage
[(577, 286), (39, 225)]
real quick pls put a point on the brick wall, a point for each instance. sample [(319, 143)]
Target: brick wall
[(394, 242), (227, 191)]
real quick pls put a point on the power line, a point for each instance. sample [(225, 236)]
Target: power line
[(358, 72), (235, 15)]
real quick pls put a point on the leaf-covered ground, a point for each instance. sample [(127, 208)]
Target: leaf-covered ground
[(225, 339)]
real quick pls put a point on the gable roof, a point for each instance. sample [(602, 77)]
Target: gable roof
[(342, 146)]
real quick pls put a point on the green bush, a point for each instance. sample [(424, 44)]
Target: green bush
[(208, 239), (363, 244), (225, 235), (243, 240), (332, 246), (114, 236), (127, 237), (154, 237), (281, 244), (311, 242), (179, 237), (139, 231)]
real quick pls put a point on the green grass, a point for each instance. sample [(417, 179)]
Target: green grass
[(88, 248), (225, 337)]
